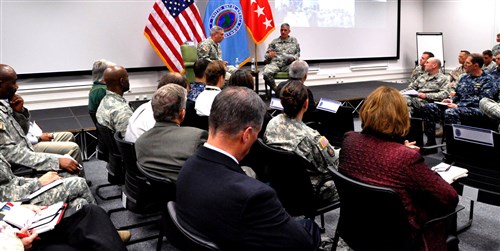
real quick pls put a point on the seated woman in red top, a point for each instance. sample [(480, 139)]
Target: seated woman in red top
[(379, 156)]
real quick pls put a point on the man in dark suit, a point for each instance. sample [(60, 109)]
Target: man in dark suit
[(164, 148), (216, 198)]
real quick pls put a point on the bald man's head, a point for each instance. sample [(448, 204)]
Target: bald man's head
[(116, 79), (8, 82)]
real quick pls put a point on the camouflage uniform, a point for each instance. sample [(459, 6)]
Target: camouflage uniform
[(496, 49), (287, 51), (417, 72), (14, 188), (490, 108), (495, 73), (490, 67), (293, 135), (468, 93), (209, 49), (14, 145), (436, 87), (114, 112), (455, 76)]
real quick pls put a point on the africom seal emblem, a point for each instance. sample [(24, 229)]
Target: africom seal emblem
[(227, 16)]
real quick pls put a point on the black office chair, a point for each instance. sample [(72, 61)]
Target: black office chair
[(164, 192), (116, 174), (288, 176), (374, 218), (333, 125), (192, 119), (139, 196), (182, 238), (482, 163), (102, 151)]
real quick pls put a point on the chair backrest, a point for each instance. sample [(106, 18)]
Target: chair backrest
[(371, 217), (480, 160), (334, 125), (102, 150), (289, 178), (183, 237), (140, 196), (189, 56), (164, 187), (116, 173)]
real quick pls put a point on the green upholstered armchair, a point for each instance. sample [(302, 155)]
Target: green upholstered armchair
[(189, 57)]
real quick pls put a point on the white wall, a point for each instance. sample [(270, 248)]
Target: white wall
[(73, 91), (466, 24)]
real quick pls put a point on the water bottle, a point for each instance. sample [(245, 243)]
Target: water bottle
[(252, 65), (237, 63)]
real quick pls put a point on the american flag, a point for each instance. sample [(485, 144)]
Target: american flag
[(170, 24)]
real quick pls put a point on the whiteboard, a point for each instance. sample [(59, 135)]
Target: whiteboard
[(432, 42)]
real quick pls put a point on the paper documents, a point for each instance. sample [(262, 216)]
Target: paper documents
[(410, 92), (43, 221), (45, 188), (449, 172)]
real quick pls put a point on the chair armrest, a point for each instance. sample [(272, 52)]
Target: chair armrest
[(432, 221)]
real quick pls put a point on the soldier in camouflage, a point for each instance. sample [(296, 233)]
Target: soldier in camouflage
[(472, 87), (455, 74), (495, 71), (490, 108), (419, 69), (288, 132), (209, 48), (432, 86), (489, 65), (14, 145), (280, 53), (14, 188), (114, 111)]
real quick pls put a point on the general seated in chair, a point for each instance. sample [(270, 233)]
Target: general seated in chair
[(164, 148), (379, 156), (280, 53), (288, 132)]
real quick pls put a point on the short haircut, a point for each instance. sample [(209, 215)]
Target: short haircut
[(477, 59), (168, 101), (215, 69), (428, 53), (241, 78), (293, 96), (98, 69), (488, 52), (435, 60), (216, 29), (172, 78), (234, 109), (298, 69), (466, 52), (199, 67), (285, 25), (385, 112)]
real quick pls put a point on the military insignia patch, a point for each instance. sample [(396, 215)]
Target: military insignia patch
[(323, 142)]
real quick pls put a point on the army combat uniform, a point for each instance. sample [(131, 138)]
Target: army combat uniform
[(209, 50), (436, 88), (287, 51), (417, 72), (114, 112), (293, 135), (15, 146), (490, 108), (14, 188), (469, 92)]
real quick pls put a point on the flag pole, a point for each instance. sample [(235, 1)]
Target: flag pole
[(256, 59)]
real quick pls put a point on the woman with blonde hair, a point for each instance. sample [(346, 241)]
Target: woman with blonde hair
[(379, 155)]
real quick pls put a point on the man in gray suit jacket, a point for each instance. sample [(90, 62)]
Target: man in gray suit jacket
[(163, 149)]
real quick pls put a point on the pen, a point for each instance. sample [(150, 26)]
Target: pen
[(446, 169)]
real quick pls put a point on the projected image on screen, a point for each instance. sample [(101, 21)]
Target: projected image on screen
[(316, 13)]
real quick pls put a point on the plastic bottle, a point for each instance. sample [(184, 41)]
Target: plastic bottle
[(252, 65), (237, 63)]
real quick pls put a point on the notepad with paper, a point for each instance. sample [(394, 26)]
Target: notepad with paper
[(43, 221), (449, 172)]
